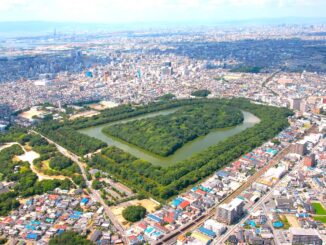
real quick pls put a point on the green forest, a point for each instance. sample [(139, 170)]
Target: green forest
[(159, 182), (163, 135), (165, 182), (26, 182), (69, 138)]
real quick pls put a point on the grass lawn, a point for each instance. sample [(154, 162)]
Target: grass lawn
[(320, 210), (320, 218)]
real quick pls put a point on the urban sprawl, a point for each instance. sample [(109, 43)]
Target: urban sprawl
[(273, 194)]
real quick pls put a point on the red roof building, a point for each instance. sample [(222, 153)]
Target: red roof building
[(169, 218), (184, 204)]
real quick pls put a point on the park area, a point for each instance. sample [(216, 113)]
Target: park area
[(149, 204), (320, 212)]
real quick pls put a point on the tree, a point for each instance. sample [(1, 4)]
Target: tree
[(70, 238), (96, 184), (167, 97), (60, 162), (134, 213), (163, 135), (201, 93)]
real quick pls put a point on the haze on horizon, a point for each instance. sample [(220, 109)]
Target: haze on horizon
[(147, 11)]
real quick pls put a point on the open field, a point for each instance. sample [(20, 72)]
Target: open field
[(146, 203), (90, 113), (293, 221), (319, 208), (321, 218), (102, 105), (31, 113)]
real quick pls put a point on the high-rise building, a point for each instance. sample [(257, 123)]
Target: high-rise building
[(303, 106), (299, 148), (166, 71), (231, 212), (295, 104), (167, 64), (301, 236)]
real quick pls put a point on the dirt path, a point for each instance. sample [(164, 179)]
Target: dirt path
[(30, 156)]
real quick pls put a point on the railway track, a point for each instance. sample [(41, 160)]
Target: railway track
[(172, 237)]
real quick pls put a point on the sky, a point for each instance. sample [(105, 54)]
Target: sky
[(132, 11)]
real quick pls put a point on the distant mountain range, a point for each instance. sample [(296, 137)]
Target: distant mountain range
[(31, 28)]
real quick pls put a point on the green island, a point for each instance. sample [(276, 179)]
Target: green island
[(164, 182), (163, 135)]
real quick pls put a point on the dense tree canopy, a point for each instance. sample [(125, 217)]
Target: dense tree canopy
[(134, 213), (76, 142), (165, 182), (247, 69), (60, 162), (70, 238), (163, 135), (201, 93), (166, 97), (26, 182)]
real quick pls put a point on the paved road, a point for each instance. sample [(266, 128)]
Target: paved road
[(94, 193)]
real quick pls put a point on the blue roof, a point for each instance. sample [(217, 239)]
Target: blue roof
[(222, 173), (252, 223), (205, 189), (84, 200), (149, 229), (89, 74), (207, 232), (30, 227), (32, 236), (278, 224), (154, 218), (302, 215), (272, 151), (140, 238), (176, 202), (74, 216)]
